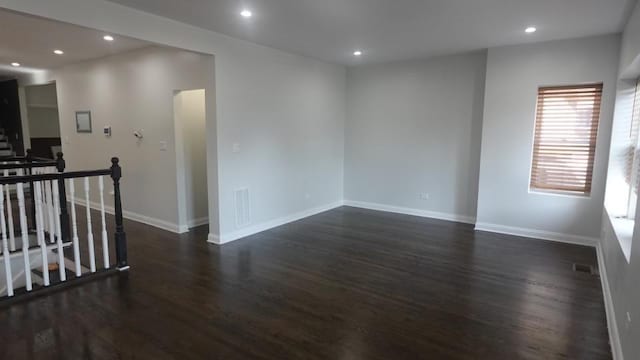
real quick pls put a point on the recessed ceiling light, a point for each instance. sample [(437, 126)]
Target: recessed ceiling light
[(58, 52), (246, 13), (530, 30), (357, 53), (15, 64), (108, 38)]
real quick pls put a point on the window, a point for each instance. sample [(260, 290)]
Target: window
[(632, 156), (564, 145)]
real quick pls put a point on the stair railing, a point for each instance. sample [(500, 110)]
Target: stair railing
[(28, 165), (56, 231)]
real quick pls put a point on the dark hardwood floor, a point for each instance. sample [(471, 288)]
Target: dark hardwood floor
[(345, 284)]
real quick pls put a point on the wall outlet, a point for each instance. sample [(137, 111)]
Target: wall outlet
[(424, 196)]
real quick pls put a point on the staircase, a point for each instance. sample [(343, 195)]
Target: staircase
[(35, 199), (5, 147), (18, 270)]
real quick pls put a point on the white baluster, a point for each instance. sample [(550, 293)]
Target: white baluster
[(24, 230), (40, 231), (6, 173), (45, 224), (56, 207), (76, 243), (5, 246), (12, 237), (49, 202), (105, 240), (92, 256)]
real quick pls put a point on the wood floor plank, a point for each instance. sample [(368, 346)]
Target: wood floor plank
[(346, 284)]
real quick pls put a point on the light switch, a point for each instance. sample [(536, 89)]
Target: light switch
[(236, 147), (163, 146)]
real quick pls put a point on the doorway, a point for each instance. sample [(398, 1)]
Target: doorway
[(10, 124), (40, 120), (191, 158)]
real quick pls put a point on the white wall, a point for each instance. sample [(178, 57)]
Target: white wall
[(415, 127), (191, 155), (630, 51), (514, 74), (287, 113), (622, 276), (131, 91)]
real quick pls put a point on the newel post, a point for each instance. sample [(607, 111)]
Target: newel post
[(64, 214), (120, 236), (29, 171)]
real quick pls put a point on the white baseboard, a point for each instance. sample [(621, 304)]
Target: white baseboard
[(411, 211), (612, 323), (214, 239), (538, 234), (198, 222), (193, 223), (161, 224), (254, 229)]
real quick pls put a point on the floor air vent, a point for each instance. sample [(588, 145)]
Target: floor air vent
[(585, 269)]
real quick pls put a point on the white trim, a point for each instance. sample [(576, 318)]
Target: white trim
[(198, 222), (161, 224), (244, 232), (214, 239), (538, 234), (411, 211), (193, 223), (612, 323)]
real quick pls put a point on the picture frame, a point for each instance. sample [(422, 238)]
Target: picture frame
[(83, 122)]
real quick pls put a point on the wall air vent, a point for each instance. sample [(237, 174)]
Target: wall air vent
[(243, 207)]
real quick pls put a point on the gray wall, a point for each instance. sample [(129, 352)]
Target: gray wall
[(623, 277), (514, 74), (42, 111), (415, 127)]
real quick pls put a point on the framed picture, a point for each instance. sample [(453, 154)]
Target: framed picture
[(83, 121)]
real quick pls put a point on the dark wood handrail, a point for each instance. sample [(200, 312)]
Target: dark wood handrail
[(10, 180), (50, 163), (28, 157)]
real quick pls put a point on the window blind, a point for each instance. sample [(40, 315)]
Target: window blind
[(566, 130)]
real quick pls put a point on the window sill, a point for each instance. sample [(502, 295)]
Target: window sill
[(559, 193), (623, 229)]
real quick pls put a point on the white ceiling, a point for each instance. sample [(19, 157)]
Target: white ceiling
[(388, 30), (30, 41)]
